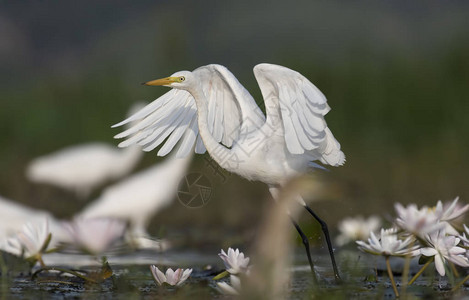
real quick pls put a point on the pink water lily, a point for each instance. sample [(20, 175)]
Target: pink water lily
[(234, 261), (174, 278), (95, 235)]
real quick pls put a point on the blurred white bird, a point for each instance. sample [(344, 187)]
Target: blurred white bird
[(137, 198), (83, 168), (210, 109)]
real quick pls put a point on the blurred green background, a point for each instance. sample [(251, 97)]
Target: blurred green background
[(396, 74)]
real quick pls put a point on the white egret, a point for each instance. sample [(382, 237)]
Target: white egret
[(208, 107), (137, 198), (82, 168)]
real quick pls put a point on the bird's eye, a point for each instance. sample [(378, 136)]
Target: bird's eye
[(182, 78)]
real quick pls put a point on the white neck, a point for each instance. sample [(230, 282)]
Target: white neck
[(218, 152)]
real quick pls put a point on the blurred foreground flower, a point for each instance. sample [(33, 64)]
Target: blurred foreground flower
[(232, 289), (31, 242), (172, 277), (95, 235), (358, 228), (444, 247), (234, 261)]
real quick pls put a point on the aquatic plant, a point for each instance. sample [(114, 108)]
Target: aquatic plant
[(428, 232), (443, 248), (234, 261), (174, 278), (31, 242)]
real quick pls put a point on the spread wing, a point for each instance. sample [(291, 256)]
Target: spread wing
[(173, 116), (293, 102)]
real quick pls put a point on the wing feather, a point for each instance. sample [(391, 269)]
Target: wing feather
[(212, 109), (218, 126), (294, 111), (291, 138), (133, 139), (160, 127), (149, 108), (232, 126), (167, 116), (177, 133), (301, 106), (152, 117), (189, 139), (169, 129)]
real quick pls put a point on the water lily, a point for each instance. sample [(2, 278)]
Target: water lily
[(449, 212), (358, 228), (174, 278), (95, 235), (388, 244), (464, 238), (234, 261), (31, 242), (417, 221), (465, 241), (444, 247), (232, 289)]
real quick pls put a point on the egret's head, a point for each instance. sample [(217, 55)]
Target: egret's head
[(179, 80)]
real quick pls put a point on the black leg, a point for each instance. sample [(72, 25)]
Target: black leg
[(306, 244), (328, 241)]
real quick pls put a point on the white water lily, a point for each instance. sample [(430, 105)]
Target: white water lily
[(388, 244), (233, 289), (171, 277), (30, 242), (444, 247), (417, 221), (449, 212), (95, 235), (464, 238), (357, 228), (234, 261)]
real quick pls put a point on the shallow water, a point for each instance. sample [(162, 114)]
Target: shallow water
[(132, 278)]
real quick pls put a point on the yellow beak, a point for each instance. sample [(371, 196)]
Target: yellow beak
[(162, 81)]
